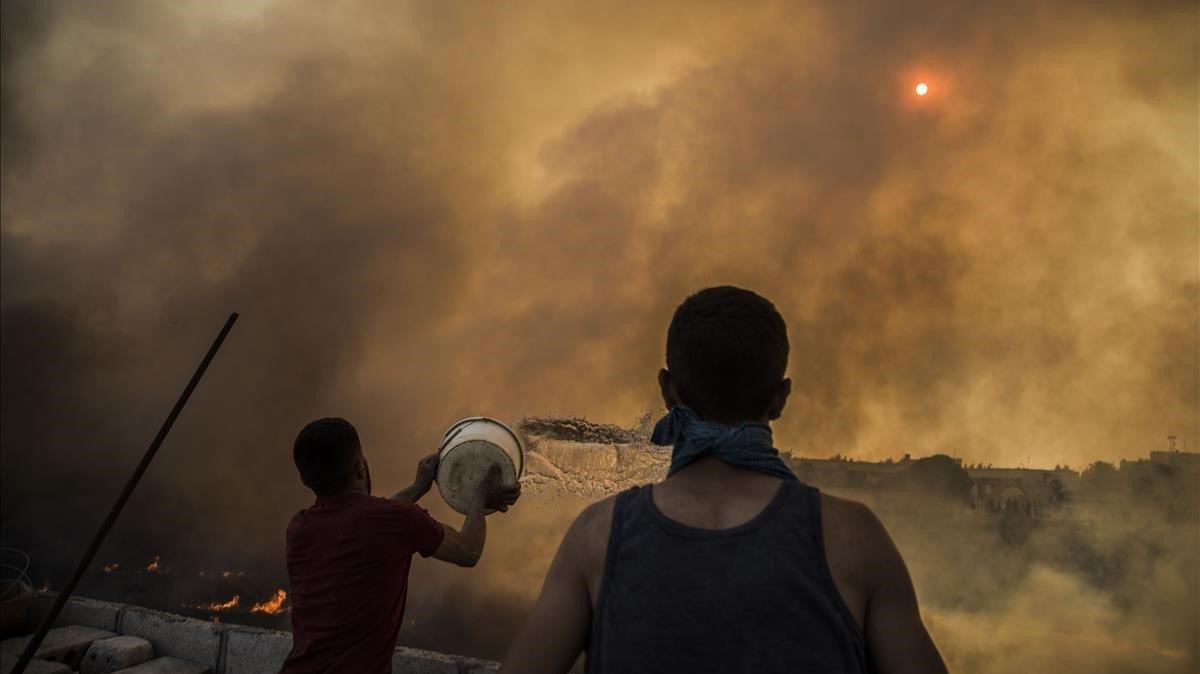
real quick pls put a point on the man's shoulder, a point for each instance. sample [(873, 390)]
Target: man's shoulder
[(596, 516), (388, 508), (381, 503), (855, 539), (588, 535), (846, 518), (303, 516), (357, 508), (846, 512), (296, 523)]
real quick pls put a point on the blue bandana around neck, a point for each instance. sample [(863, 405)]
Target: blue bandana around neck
[(748, 445)]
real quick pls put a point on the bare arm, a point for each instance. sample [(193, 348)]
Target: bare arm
[(897, 641), (557, 630), (465, 547), (426, 470)]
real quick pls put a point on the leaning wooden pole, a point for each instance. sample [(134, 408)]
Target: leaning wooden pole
[(65, 594)]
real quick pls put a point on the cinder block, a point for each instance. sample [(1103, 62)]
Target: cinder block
[(109, 655), (90, 613), (198, 641), (62, 644), (79, 611), (249, 650), (166, 665), (414, 661), (8, 662)]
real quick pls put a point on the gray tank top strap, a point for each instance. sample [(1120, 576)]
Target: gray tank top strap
[(758, 597), (621, 506)]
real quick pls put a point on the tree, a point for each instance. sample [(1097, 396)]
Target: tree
[(1100, 473)]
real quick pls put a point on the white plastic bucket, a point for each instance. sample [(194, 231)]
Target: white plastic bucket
[(468, 450)]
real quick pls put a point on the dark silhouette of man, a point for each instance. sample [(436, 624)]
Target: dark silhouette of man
[(731, 564), (348, 554)]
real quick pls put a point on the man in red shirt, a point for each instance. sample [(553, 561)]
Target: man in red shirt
[(348, 554)]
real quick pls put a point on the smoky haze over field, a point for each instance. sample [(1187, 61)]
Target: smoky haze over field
[(428, 212)]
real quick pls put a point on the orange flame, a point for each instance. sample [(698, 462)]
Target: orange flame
[(153, 566), (111, 568), (220, 605), (271, 606)]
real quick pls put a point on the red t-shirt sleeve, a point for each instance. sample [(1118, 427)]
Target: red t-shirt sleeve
[(409, 525), (427, 532)]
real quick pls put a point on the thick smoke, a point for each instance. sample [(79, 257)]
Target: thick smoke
[(432, 212), (1102, 586)]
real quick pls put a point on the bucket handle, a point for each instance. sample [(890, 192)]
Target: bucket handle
[(451, 437), (511, 432)]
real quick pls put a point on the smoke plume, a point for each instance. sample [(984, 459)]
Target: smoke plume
[(434, 211)]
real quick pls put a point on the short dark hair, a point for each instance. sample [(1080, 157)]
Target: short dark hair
[(727, 351), (324, 453)]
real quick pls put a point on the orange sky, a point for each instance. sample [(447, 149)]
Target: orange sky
[(430, 211)]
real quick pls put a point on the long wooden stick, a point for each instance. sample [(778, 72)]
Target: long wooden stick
[(84, 563)]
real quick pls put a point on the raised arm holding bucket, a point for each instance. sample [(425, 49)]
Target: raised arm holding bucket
[(476, 467), (348, 555)]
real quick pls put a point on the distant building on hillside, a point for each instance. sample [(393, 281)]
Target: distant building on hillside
[(1026, 490), (1186, 462), (1171, 462), (845, 472), (998, 490)]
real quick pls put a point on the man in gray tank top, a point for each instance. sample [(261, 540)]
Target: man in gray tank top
[(731, 564)]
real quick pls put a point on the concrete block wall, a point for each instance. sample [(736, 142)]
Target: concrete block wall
[(198, 641), (249, 650), (224, 648)]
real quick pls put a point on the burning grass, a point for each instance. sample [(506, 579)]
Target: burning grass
[(219, 606), (272, 606), (276, 604)]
